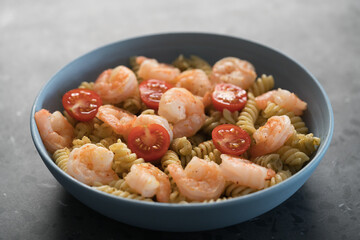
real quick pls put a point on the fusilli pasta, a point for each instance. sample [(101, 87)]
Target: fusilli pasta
[(272, 161), (181, 146), (279, 177), (61, 157), (116, 192), (248, 115), (123, 157), (87, 85), (262, 85), (235, 190), (292, 156)]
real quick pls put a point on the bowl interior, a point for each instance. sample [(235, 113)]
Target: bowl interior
[(166, 47)]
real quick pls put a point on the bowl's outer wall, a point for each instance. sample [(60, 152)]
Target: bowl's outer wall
[(166, 47)]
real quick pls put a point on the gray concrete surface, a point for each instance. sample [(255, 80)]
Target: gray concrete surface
[(37, 38)]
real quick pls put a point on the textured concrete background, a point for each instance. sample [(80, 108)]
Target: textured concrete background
[(37, 38)]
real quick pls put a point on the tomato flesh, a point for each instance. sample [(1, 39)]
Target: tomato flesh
[(229, 96), (151, 91), (149, 142), (231, 139), (81, 104)]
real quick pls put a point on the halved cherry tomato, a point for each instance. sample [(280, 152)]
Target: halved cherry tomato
[(151, 91), (81, 104), (229, 96), (231, 139), (149, 142)]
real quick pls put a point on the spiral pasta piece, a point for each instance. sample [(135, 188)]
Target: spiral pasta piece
[(181, 63), (206, 148), (199, 63), (211, 122), (211, 200), (61, 157), (279, 177), (123, 157), (292, 156), (235, 190), (87, 85), (83, 129), (305, 143), (181, 146), (122, 185), (262, 85), (248, 115), (229, 117), (213, 156), (292, 168), (273, 109), (101, 131), (272, 161), (148, 112), (171, 157), (80, 142), (194, 62), (106, 142), (124, 194)]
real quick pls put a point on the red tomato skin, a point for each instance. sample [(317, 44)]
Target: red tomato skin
[(152, 155), (220, 104), (151, 91), (220, 140), (88, 104)]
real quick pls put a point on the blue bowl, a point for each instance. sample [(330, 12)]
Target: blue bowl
[(288, 74)]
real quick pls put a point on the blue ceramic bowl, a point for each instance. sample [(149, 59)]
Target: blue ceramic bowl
[(288, 74)]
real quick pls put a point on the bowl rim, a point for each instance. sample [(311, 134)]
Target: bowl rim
[(45, 156)]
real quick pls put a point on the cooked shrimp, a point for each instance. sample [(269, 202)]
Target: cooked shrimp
[(284, 99), (148, 180), (200, 180), (55, 131), (116, 85), (118, 119), (181, 108), (151, 69), (195, 80), (235, 71), (272, 135), (244, 172), (91, 164), (147, 119)]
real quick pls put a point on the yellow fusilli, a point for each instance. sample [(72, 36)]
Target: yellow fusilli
[(272, 161), (80, 142), (262, 85), (61, 157), (87, 85), (279, 177), (116, 192), (292, 156), (181, 146), (123, 157), (305, 143), (235, 190), (248, 115)]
